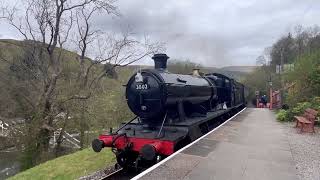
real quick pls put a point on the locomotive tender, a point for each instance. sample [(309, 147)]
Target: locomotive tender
[(171, 111)]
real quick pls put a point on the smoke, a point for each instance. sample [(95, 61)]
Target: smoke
[(166, 23), (212, 32), (206, 50)]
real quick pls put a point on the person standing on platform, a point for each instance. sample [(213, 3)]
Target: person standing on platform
[(264, 100)]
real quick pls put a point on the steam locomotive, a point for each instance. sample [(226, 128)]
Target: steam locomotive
[(171, 111)]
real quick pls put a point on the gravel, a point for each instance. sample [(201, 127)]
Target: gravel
[(305, 148), (98, 174)]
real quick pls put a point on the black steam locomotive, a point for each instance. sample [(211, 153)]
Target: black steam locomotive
[(172, 110)]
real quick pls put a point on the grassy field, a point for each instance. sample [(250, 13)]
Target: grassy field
[(71, 166)]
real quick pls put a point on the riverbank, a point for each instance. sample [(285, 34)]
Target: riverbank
[(9, 158), (9, 163)]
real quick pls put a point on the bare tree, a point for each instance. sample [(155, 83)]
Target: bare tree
[(261, 60), (114, 50), (46, 26), (267, 54)]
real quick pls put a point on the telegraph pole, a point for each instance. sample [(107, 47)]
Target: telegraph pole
[(281, 78), (271, 93)]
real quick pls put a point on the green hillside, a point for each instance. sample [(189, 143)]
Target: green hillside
[(111, 99)]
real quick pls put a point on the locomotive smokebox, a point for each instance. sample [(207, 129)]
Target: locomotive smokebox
[(160, 61)]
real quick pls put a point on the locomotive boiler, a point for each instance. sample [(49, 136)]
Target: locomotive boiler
[(171, 111), (151, 93)]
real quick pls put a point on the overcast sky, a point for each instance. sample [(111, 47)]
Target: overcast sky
[(210, 32)]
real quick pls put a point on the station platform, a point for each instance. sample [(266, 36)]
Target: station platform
[(252, 145)]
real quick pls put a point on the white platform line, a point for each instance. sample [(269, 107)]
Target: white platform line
[(174, 154)]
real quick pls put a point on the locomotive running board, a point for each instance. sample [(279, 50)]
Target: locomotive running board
[(182, 149)]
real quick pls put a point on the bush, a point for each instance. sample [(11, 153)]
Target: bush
[(298, 109), (315, 103), (301, 107), (305, 77), (283, 115)]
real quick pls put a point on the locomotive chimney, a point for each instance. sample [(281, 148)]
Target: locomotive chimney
[(196, 72), (160, 61)]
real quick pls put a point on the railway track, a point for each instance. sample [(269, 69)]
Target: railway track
[(111, 174), (119, 174)]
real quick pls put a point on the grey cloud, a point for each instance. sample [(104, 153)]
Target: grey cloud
[(212, 32), (215, 33)]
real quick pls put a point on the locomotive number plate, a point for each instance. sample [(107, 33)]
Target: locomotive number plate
[(142, 86)]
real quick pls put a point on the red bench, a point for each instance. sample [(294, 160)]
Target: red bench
[(306, 121)]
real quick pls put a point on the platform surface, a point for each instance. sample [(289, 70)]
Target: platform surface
[(253, 145)]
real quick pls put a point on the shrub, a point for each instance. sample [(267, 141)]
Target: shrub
[(315, 103), (305, 77), (300, 108), (283, 115)]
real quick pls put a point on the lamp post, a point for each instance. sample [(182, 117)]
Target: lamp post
[(257, 99), (271, 97)]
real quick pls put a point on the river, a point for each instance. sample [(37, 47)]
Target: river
[(9, 163)]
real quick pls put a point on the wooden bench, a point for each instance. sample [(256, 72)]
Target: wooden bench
[(306, 121)]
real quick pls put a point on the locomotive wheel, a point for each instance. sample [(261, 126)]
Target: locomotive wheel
[(137, 165), (117, 166), (122, 159), (125, 159)]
